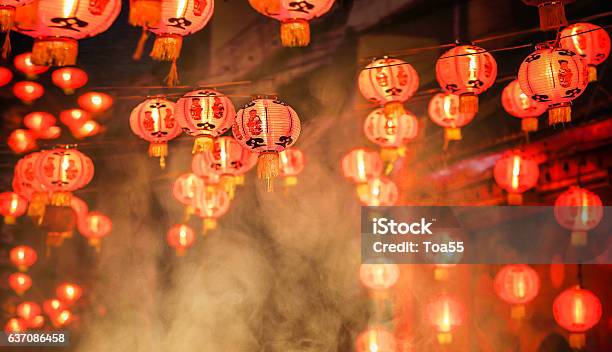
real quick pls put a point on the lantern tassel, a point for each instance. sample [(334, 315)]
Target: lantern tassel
[(188, 212), (6, 47), (172, 79), (559, 114), (9, 220), (55, 52), (180, 252), (140, 46), (552, 15), (268, 167), (515, 199), (7, 18), (517, 312), (229, 185), (579, 238), (295, 33), (96, 244), (445, 338), (468, 103), (529, 124), (592, 73), (166, 47), (145, 13), (394, 109), (577, 341), (208, 224), (159, 150), (202, 144), (61, 198)]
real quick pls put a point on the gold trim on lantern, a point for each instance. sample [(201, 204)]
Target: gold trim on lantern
[(55, 52), (208, 224), (394, 109), (529, 124), (96, 243), (592, 73), (559, 114), (167, 47), (517, 311), (145, 13), (552, 15), (202, 144), (61, 198), (159, 150), (268, 167), (579, 238), (468, 103), (445, 338), (452, 134), (295, 33), (239, 180), (7, 18), (515, 198)]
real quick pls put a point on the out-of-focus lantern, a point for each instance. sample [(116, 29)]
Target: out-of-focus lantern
[(204, 171), (59, 24), (20, 282), (180, 237), (516, 173), (68, 293), (518, 104), (589, 41), (12, 205), (52, 307), (62, 318), (69, 78), (27, 185), (89, 128), (579, 210), (379, 276), (27, 310), (179, 18), (23, 63), (555, 77), (185, 190), (248, 163), (466, 70), (15, 325), (23, 257), (73, 118), (517, 284), (292, 163), (5, 76), (552, 12), (210, 204), (205, 114), (94, 227), (391, 133), (80, 207), (39, 121), (52, 132), (379, 191), (389, 83), (21, 141), (28, 91), (267, 127), (361, 165), (95, 102), (153, 120), (445, 313), (577, 310), (444, 111), (36, 322), (376, 339), (294, 17)]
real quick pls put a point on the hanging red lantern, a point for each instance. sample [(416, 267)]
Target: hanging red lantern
[(517, 284), (180, 237), (28, 91), (516, 173), (68, 293), (466, 70), (292, 163), (579, 210), (28, 186), (267, 127), (23, 257), (69, 78), (73, 118), (518, 104), (376, 339), (12, 205), (89, 128), (379, 276), (185, 189), (52, 307), (27, 311), (205, 114), (59, 24), (21, 141), (389, 83), (377, 192), (554, 77), (445, 313), (153, 120), (20, 283), (5, 76), (94, 227), (248, 162), (577, 310), (361, 165), (15, 325), (552, 13), (210, 204), (62, 318), (23, 63), (294, 17), (444, 111), (39, 121), (203, 170), (589, 41), (391, 133), (95, 102), (52, 132)]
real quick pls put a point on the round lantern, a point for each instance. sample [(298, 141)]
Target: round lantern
[(19, 282), (73, 118), (180, 237), (94, 227), (52, 307), (518, 104), (376, 339), (23, 257), (12, 205), (444, 111), (361, 165), (21, 141), (552, 12), (27, 185), (153, 120), (379, 191), (267, 127), (185, 189), (294, 17), (27, 311), (579, 210), (59, 24), (292, 163), (589, 41), (15, 325), (87, 129), (577, 310), (36, 322), (379, 276), (23, 63), (95, 102), (39, 121), (5, 76), (389, 83), (445, 313), (61, 319), (554, 77), (68, 293), (466, 70), (516, 173), (69, 78), (518, 285), (28, 91), (52, 132), (210, 204), (391, 133)]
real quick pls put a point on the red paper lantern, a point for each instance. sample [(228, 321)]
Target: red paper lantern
[(444, 111), (94, 227), (205, 114), (210, 204), (69, 78), (39, 121), (391, 133), (36, 322), (80, 207), (552, 13), (361, 165), (89, 128), (23, 257), (180, 237), (518, 104), (5, 76), (57, 25), (518, 285), (589, 41), (28, 91), (379, 191), (379, 276), (579, 210), (153, 120), (26, 184), (292, 163), (27, 310), (376, 339), (294, 17), (185, 190), (12, 205), (445, 313), (577, 310), (68, 293), (73, 118), (516, 173), (23, 63), (52, 307), (52, 132), (554, 77), (20, 283), (15, 325), (62, 318), (466, 70), (267, 127), (21, 141), (95, 102)]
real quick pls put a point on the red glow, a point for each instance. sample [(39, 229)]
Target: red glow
[(21, 141), (577, 309), (23, 257), (180, 237), (39, 121), (12, 205), (516, 173), (53, 307), (28, 311), (95, 102), (28, 91), (52, 132), (69, 78), (376, 339), (23, 63), (361, 164), (20, 282), (15, 325), (73, 118), (87, 129), (94, 227), (5, 76), (69, 292)]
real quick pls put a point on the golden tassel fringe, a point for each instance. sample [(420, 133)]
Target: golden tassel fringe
[(295, 33), (6, 46), (61, 199), (55, 239), (517, 312), (268, 167), (55, 52), (7, 18), (159, 150), (394, 110), (579, 238), (452, 134), (592, 73), (145, 13), (9, 220), (552, 15), (529, 124), (560, 114), (202, 144), (95, 243), (172, 78), (140, 46), (468, 103), (229, 185), (166, 47), (36, 208)]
